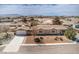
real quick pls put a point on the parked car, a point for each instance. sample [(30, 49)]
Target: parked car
[(77, 39)]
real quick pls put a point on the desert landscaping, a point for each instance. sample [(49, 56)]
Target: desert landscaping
[(47, 39), (31, 31)]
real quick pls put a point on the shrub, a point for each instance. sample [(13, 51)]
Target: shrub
[(41, 38), (37, 40), (70, 33), (56, 38), (61, 39)]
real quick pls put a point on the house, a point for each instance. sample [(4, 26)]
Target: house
[(41, 30), (49, 29)]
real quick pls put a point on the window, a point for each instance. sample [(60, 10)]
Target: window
[(53, 31), (62, 31), (40, 31)]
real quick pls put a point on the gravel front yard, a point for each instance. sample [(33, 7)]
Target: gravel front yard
[(47, 39)]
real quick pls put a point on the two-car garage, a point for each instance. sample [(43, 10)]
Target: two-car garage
[(21, 33)]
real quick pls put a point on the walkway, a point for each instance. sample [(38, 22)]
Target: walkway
[(14, 45)]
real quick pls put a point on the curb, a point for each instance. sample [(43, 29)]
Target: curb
[(46, 44)]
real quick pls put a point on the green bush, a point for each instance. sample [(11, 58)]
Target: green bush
[(70, 33)]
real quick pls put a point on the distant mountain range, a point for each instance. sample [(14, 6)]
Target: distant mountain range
[(10, 15)]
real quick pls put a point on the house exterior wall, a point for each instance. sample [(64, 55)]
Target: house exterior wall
[(29, 32), (50, 32), (41, 32)]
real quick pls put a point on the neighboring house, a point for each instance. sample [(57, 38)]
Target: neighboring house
[(76, 27), (6, 20), (66, 22)]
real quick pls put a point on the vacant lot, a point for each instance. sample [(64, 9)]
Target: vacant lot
[(47, 39)]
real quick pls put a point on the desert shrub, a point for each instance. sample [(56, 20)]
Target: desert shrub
[(41, 38), (37, 40)]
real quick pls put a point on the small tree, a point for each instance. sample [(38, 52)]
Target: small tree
[(4, 28), (24, 20), (70, 33), (33, 23)]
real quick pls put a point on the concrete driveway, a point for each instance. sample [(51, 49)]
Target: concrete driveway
[(14, 45)]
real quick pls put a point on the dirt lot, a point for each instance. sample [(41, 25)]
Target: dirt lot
[(46, 39)]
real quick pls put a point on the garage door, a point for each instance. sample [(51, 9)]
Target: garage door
[(21, 33)]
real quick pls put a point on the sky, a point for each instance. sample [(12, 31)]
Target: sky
[(40, 10)]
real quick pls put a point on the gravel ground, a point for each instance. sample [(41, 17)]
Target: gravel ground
[(47, 39)]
